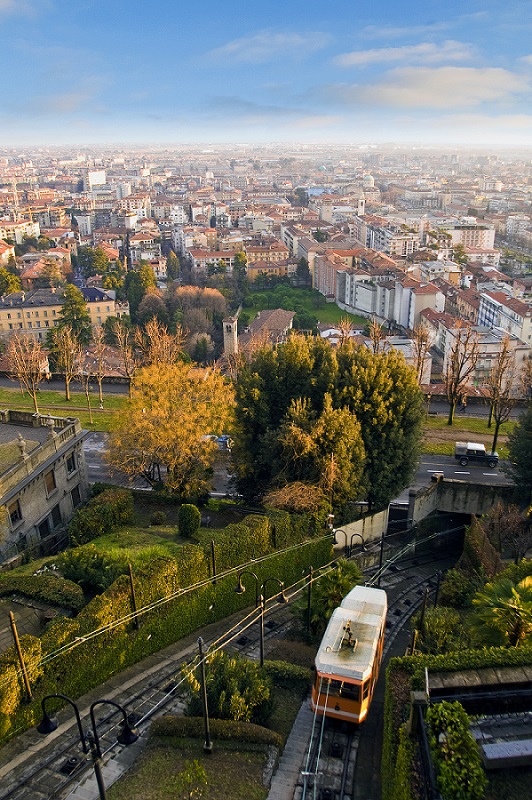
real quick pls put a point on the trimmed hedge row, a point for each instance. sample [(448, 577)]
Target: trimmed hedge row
[(52, 589), (408, 673), (221, 729), (91, 662)]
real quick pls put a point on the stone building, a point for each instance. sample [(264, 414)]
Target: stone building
[(43, 479)]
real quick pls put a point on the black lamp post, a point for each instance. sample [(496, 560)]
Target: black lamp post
[(351, 542), (261, 599), (335, 540), (90, 740)]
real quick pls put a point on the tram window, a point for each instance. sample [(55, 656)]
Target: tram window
[(365, 693), (335, 687), (351, 691)]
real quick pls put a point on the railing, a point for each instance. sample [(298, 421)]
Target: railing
[(429, 785)]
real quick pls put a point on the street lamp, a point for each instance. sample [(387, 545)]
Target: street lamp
[(351, 542), (89, 740), (335, 540), (261, 599)]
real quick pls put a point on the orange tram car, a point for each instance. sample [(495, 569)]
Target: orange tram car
[(349, 657)]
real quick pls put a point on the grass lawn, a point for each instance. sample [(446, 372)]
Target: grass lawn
[(439, 438), (306, 298), (232, 772), (54, 403)]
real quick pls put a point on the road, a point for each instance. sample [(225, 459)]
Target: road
[(478, 473)]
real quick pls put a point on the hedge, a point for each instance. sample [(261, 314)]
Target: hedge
[(52, 589), (408, 673), (222, 729), (92, 662)]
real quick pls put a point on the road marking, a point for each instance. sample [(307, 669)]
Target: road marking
[(490, 474), (461, 473)]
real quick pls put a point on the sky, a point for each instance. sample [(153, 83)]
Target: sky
[(299, 71)]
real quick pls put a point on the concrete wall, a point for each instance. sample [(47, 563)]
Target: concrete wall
[(454, 496), (370, 528)]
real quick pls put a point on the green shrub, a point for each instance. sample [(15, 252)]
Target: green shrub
[(158, 518), (237, 689), (104, 513), (458, 587), (189, 520), (90, 568), (455, 755), (221, 729)]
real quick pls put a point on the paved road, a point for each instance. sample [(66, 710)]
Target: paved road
[(478, 473)]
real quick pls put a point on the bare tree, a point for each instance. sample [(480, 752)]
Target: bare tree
[(124, 337), (345, 326), (100, 365), (157, 345), (66, 348), (82, 374), (501, 388), (376, 334), (461, 364), (28, 364), (421, 344), (525, 379), (508, 529)]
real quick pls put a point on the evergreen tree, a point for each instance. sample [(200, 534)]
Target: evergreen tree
[(172, 266), (8, 282), (75, 315)]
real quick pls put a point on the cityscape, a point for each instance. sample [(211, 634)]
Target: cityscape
[(265, 401)]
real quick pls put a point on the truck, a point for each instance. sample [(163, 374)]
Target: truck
[(464, 452)]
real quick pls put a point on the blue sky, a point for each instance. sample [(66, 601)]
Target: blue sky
[(104, 71)]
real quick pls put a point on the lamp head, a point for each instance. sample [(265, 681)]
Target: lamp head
[(240, 588), (47, 724), (128, 734)]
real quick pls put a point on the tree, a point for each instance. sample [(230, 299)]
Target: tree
[(170, 415), (508, 529), (8, 282), (100, 366), (291, 404), (236, 687), (303, 275), (172, 266), (376, 335), (329, 591), (135, 291), (525, 379), (501, 388), (157, 345), (124, 339), (421, 344), (75, 315), (65, 348), (503, 613), (82, 374), (460, 365), (520, 457), (28, 364)]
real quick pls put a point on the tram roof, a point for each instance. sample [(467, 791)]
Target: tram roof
[(349, 644)]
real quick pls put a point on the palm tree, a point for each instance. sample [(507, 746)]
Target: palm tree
[(329, 591), (503, 613)]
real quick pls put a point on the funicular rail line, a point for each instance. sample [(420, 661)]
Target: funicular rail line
[(41, 778)]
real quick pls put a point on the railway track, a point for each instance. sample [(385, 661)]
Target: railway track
[(58, 766)]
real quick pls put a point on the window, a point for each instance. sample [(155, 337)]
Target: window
[(19, 314), (9, 315), (46, 324), (71, 464), (36, 313), (45, 313), (44, 528), (56, 516), (49, 482), (76, 497), (15, 514), (28, 313), (10, 326), (365, 694)]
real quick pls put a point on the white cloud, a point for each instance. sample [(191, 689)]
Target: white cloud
[(441, 88), (527, 60), (385, 32), (425, 53), (268, 45), (25, 8)]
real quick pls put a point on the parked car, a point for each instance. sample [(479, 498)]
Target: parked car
[(464, 452)]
